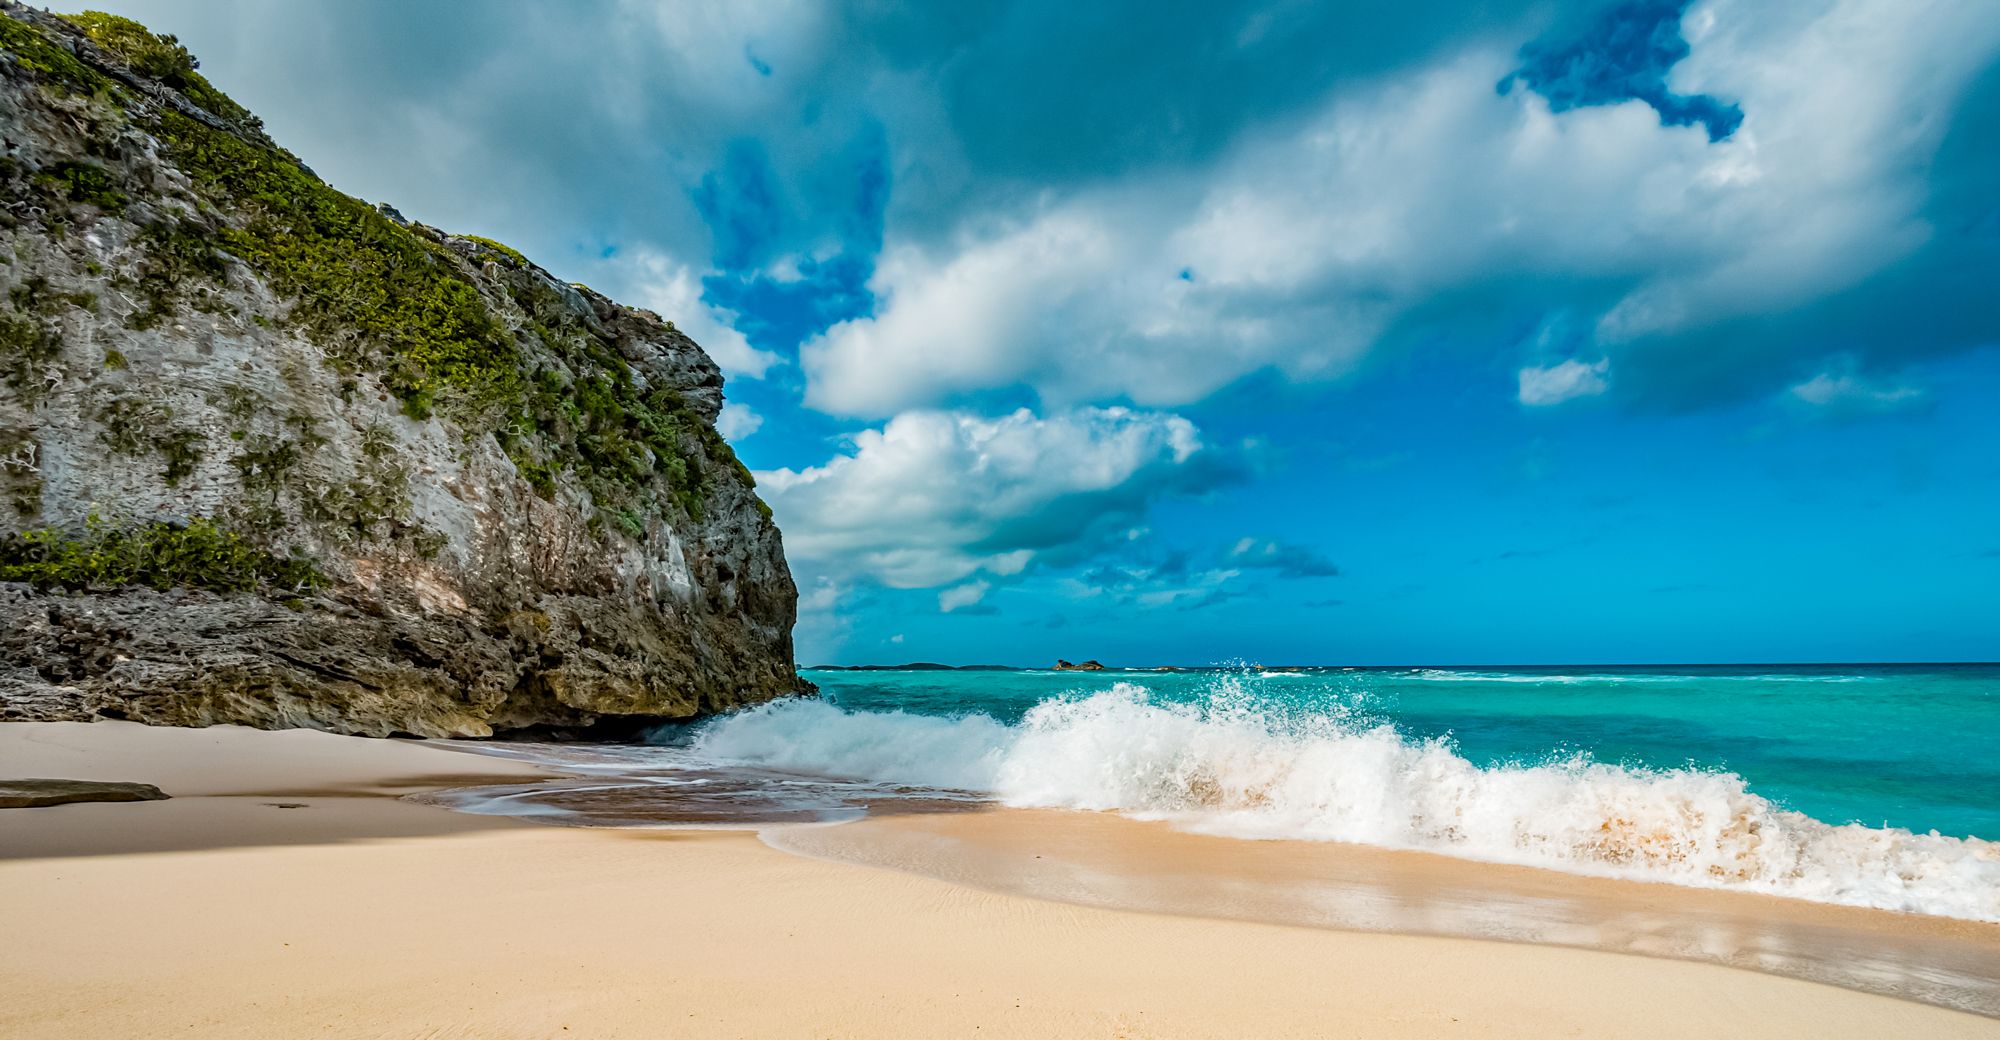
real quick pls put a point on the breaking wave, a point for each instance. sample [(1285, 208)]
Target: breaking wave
[(1231, 766)]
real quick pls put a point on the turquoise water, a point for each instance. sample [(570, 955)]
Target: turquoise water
[(1903, 746), (1863, 786), (1866, 786)]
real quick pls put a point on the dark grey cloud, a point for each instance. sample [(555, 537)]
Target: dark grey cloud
[(778, 148), (1050, 91), (1934, 303), (605, 114)]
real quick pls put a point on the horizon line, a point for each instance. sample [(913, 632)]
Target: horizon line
[(920, 664)]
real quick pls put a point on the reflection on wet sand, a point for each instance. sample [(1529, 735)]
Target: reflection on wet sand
[(1105, 860), (613, 785)]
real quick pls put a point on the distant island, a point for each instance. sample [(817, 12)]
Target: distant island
[(1087, 666)]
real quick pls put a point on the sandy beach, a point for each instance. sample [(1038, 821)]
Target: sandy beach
[(288, 890)]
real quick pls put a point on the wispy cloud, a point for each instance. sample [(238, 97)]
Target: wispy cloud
[(960, 597), (1287, 559), (1563, 381), (1847, 393)]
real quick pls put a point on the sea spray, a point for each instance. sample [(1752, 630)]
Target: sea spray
[(1238, 766)]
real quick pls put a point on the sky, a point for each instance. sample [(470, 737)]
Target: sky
[(1445, 331)]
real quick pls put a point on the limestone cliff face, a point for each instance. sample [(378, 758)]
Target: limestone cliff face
[(271, 456)]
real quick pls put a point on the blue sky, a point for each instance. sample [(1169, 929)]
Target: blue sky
[(1445, 331)]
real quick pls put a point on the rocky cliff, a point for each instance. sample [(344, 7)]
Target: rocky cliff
[(272, 456)]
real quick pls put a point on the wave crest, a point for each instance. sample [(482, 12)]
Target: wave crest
[(1232, 767)]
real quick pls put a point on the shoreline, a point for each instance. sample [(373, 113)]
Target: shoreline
[(359, 913), (1116, 862)]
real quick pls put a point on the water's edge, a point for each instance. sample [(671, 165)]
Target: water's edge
[(1106, 861), (1110, 861)]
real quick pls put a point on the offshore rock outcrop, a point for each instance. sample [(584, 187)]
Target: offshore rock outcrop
[(271, 456)]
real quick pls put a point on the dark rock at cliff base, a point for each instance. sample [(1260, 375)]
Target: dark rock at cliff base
[(271, 455), (29, 794)]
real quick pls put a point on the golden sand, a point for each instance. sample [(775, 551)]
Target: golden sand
[(355, 914)]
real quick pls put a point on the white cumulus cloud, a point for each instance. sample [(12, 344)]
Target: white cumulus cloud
[(933, 497), (737, 421)]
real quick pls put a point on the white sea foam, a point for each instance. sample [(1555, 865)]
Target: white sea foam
[(1232, 768)]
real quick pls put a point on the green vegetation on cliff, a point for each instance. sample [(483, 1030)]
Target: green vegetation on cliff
[(374, 292), (400, 302), (48, 61), (200, 555), (389, 299), (29, 336), (83, 182), (500, 247), (161, 58)]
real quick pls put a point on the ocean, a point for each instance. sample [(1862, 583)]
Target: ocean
[(1873, 785)]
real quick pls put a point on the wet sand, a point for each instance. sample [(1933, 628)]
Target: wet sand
[(238, 918), (234, 786), (1104, 860), (1107, 860)]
